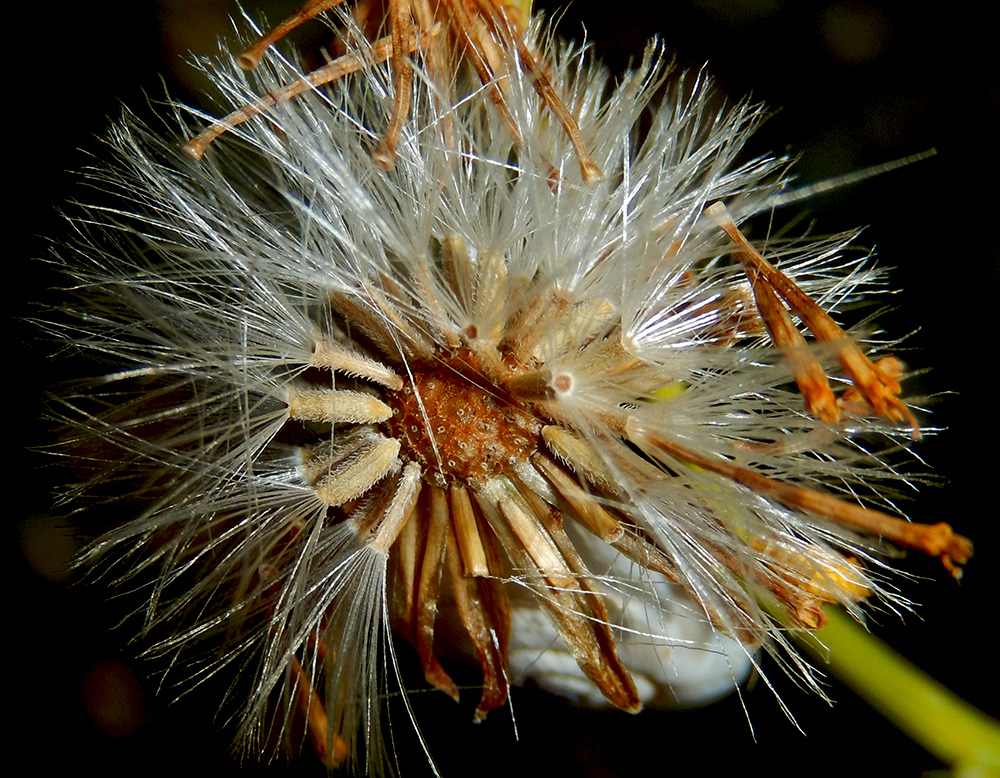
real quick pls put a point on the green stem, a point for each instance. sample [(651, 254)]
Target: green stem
[(958, 734)]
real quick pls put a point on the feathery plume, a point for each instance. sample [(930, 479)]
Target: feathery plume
[(355, 397)]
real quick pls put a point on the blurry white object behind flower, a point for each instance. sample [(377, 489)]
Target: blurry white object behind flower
[(462, 396)]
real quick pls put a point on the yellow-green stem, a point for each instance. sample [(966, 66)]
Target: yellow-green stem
[(962, 737)]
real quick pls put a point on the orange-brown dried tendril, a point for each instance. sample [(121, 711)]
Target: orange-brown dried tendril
[(445, 32)]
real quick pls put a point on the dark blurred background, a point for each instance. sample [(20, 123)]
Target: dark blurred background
[(854, 84)]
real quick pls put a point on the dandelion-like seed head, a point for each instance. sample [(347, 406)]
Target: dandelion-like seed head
[(356, 396)]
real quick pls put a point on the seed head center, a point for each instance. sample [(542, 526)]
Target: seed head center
[(460, 427)]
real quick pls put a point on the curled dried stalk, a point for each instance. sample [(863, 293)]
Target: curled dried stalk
[(485, 33)]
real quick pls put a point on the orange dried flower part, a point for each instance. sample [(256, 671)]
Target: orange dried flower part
[(875, 384)]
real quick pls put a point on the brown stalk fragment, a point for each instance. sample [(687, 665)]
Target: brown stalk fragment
[(935, 539), (879, 387), (251, 56), (485, 613), (574, 607), (404, 559), (610, 676), (329, 746), (507, 25), (435, 547), (481, 50), (589, 169), (402, 44), (332, 71)]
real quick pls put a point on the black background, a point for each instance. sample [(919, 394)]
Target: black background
[(857, 83)]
